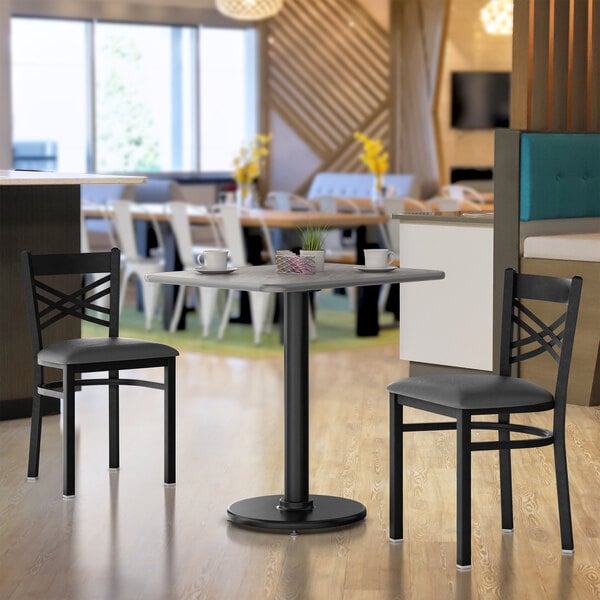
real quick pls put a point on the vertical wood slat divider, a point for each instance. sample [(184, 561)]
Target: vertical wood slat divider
[(559, 67), (551, 59), (540, 67), (593, 123), (579, 92), (558, 89), (519, 89)]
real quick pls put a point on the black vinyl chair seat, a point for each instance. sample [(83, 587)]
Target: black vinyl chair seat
[(85, 287), (101, 350), (524, 335), (478, 394)]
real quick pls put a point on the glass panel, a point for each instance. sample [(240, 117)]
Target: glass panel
[(144, 86), (49, 94), (227, 95)]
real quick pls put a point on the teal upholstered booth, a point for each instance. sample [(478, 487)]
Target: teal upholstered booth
[(548, 184), (559, 175)]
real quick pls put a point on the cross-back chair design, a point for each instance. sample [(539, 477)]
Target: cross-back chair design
[(50, 300), (463, 396)]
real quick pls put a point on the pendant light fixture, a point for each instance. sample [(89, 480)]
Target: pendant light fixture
[(497, 17), (249, 10)]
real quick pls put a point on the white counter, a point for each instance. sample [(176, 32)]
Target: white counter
[(450, 324)]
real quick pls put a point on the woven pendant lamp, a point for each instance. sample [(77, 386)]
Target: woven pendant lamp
[(249, 10), (497, 17)]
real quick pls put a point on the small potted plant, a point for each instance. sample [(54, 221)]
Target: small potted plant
[(313, 238)]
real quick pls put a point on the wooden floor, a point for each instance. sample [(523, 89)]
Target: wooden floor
[(126, 537)]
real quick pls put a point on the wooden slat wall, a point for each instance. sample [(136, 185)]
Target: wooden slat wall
[(557, 87), (327, 75)]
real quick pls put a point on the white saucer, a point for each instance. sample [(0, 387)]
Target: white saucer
[(206, 271), (375, 269)]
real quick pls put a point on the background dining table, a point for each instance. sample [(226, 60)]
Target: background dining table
[(367, 317)]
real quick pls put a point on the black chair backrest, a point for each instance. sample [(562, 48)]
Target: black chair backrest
[(525, 334), (46, 304)]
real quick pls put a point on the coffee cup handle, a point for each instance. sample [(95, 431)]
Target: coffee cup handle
[(390, 257), (200, 259)]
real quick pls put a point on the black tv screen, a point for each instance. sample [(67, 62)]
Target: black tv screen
[(480, 99)]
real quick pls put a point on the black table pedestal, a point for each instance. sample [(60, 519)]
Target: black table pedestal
[(296, 509), (263, 512)]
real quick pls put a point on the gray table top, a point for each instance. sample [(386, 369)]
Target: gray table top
[(266, 279)]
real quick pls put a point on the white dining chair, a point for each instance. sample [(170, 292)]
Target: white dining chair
[(445, 203), (134, 264), (462, 192), (287, 201), (261, 303), (206, 298)]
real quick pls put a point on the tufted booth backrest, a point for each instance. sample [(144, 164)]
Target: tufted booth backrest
[(360, 185), (559, 176)]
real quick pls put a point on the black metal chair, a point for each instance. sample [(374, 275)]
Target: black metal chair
[(462, 396), (87, 301)]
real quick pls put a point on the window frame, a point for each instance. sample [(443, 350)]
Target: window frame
[(96, 14)]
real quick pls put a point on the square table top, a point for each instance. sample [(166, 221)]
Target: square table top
[(265, 278)]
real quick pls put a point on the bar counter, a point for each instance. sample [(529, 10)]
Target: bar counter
[(39, 212)]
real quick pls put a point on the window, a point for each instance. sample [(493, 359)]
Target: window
[(159, 98), (227, 93), (143, 74), (50, 95)]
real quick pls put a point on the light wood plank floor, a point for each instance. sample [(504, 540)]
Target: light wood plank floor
[(126, 537)]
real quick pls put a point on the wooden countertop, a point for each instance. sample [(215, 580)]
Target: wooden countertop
[(51, 178), (451, 217)]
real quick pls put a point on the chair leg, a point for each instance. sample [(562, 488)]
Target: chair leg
[(169, 454), (564, 502), (463, 492), (35, 436), (226, 314), (396, 470), (505, 478), (150, 292), (68, 432), (123, 287), (177, 309), (208, 304), (259, 307), (113, 422)]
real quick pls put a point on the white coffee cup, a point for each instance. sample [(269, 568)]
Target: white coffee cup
[(378, 258), (213, 260)]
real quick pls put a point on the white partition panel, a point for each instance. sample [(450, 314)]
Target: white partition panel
[(448, 322)]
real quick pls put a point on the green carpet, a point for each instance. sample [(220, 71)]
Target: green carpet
[(335, 329)]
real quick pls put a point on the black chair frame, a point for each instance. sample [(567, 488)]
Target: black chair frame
[(521, 328), (47, 305)]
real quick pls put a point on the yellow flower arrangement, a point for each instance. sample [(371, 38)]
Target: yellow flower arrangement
[(246, 165), (374, 157)]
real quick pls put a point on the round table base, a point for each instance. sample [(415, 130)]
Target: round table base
[(328, 511)]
